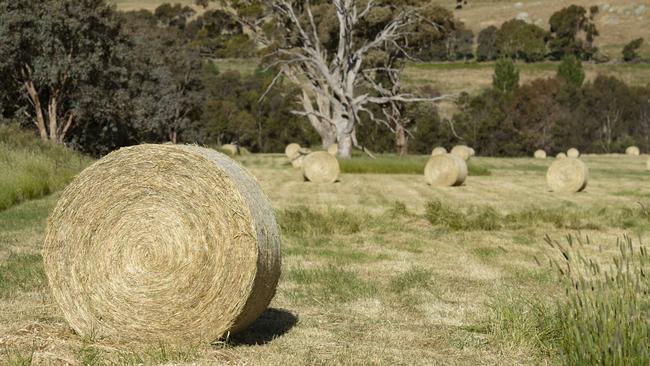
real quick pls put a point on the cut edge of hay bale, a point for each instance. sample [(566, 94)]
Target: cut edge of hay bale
[(292, 151), (148, 254), (540, 154), (320, 167), (568, 175), (446, 170), (461, 151), (573, 153), (632, 151)]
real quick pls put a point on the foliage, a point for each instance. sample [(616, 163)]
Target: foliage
[(570, 70), (506, 76), (630, 51), (573, 32), (487, 49), (519, 40)]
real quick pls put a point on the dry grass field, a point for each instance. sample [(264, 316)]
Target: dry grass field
[(378, 269)]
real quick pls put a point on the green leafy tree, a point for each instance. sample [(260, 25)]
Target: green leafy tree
[(487, 49), (519, 40), (573, 32), (630, 51), (55, 54), (570, 70), (506, 76)]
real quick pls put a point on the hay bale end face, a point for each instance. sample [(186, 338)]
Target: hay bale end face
[(567, 175), (573, 153), (632, 151), (561, 155), (162, 243), (333, 149), (540, 154), (438, 151), (320, 167), (445, 170), (462, 152), (292, 151)]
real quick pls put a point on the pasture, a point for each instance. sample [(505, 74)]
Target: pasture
[(378, 268)]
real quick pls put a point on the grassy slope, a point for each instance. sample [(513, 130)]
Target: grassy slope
[(368, 276)]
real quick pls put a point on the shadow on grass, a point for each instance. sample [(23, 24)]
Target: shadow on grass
[(271, 324)]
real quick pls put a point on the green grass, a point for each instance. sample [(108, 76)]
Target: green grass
[(302, 221), (36, 169), (414, 278), (392, 164), (329, 284), (21, 273)]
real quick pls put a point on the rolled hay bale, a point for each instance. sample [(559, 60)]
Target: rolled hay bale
[(632, 151), (567, 175), (229, 149), (320, 167), (333, 149), (158, 243), (461, 151), (445, 170), (292, 151), (561, 155), (297, 162), (540, 154), (472, 152), (647, 164), (438, 151), (573, 153)]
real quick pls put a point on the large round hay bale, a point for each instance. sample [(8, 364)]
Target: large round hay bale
[(462, 151), (540, 154), (472, 152), (320, 167), (297, 162), (573, 153), (229, 149), (333, 149), (632, 151), (567, 175), (561, 155), (158, 243), (438, 151), (445, 170), (292, 151)]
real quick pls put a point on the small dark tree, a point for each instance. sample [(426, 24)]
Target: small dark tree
[(573, 31), (173, 15), (487, 44), (630, 51), (570, 70), (506, 76)]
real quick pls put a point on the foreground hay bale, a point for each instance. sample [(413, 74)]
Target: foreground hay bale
[(573, 153), (540, 154), (632, 151), (462, 152), (159, 243), (445, 170), (333, 149), (561, 155), (567, 175), (438, 151), (292, 151), (320, 167)]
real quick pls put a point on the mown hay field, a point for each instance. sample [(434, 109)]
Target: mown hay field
[(377, 269)]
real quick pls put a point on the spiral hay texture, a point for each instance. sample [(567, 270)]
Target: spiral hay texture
[(438, 151), (462, 152), (333, 149), (320, 167), (632, 151), (573, 153), (540, 154), (162, 243), (445, 170), (567, 175)]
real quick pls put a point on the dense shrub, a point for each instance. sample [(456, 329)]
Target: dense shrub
[(630, 51), (573, 32), (487, 50), (521, 41)]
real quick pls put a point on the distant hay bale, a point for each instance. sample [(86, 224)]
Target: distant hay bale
[(445, 170), (472, 152), (567, 175), (333, 149), (162, 243), (229, 149), (320, 167), (632, 151), (561, 155), (438, 151), (462, 151), (573, 153), (292, 151), (297, 162), (540, 154)]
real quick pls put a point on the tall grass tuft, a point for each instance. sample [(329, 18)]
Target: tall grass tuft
[(32, 169), (301, 221), (606, 312)]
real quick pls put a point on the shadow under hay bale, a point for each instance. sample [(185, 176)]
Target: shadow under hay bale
[(273, 323)]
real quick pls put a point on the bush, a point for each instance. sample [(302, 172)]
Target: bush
[(570, 70), (521, 41), (630, 51), (487, 49)]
